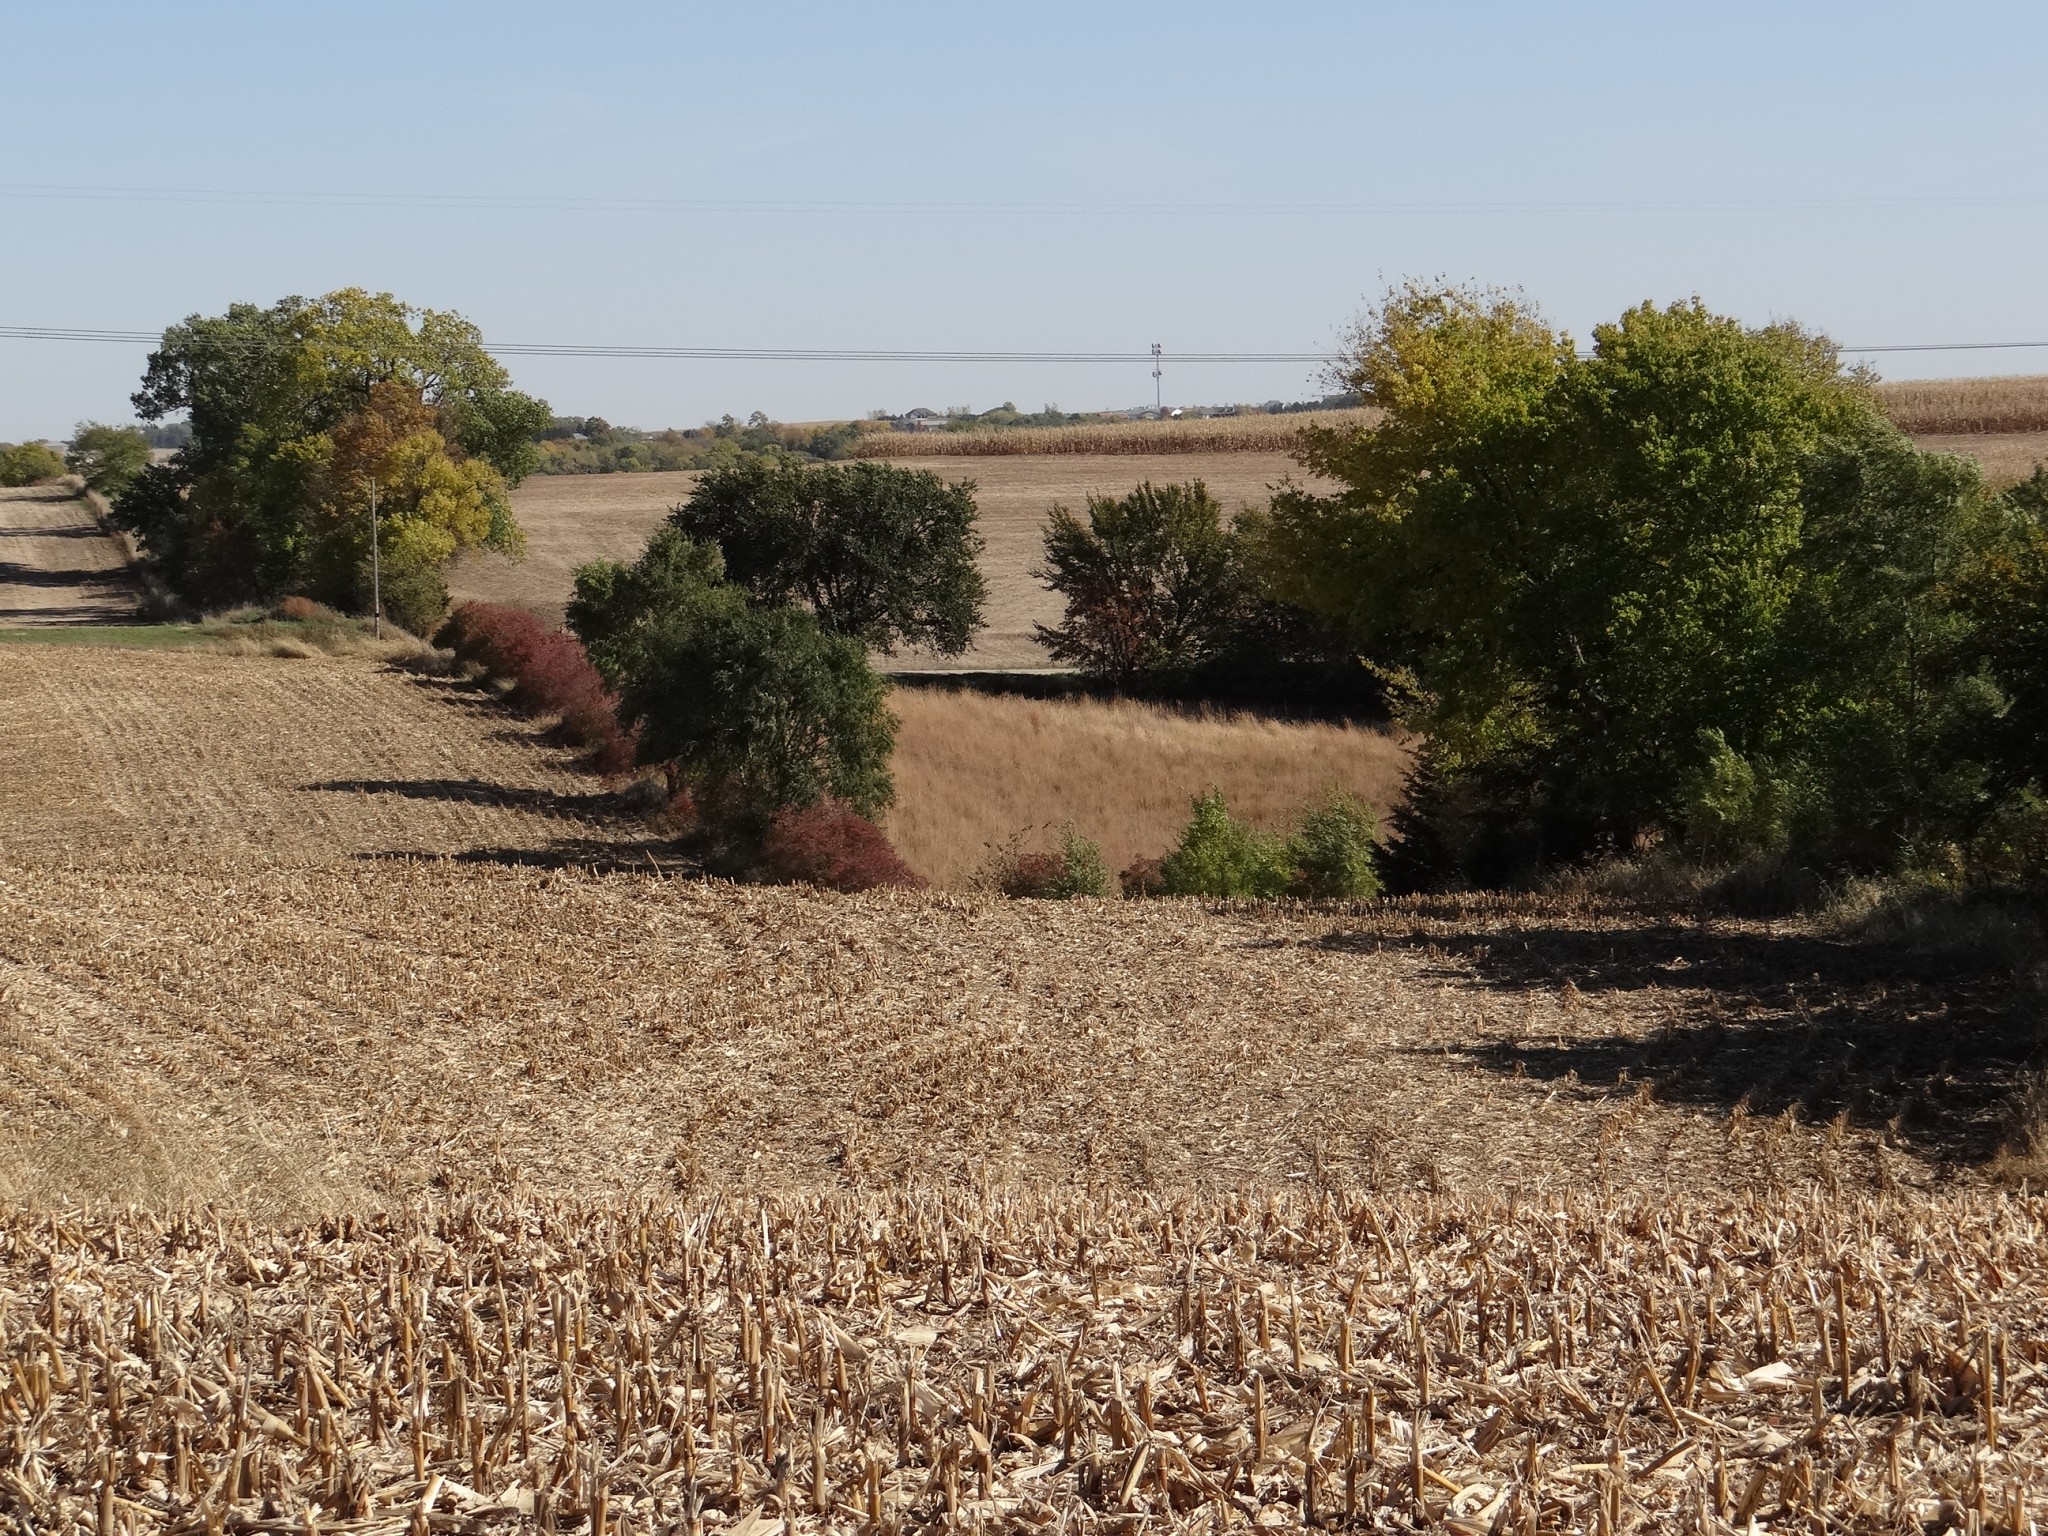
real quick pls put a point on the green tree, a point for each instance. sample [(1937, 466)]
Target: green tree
[(107, 458), (250, 508), (616, 605), (1590, 576), (882, 555), (1218, 855), (2004, 590), (759, 705), (1152, 581), (27, 463)]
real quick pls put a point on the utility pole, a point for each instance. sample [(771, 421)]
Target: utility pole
[(1158, 403), (376, 565)]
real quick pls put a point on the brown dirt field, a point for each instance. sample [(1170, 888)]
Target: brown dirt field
[(2007, 457), (570, 519), (232, 967), (643, 1203), (57, 564), (115, 756), (973, 771), (573, 518)]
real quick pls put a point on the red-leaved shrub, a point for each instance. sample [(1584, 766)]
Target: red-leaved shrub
[(549, 673), (830, 846), (1142, 878), (300, 610)]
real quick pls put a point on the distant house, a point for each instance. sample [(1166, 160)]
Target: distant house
[(918, 419)]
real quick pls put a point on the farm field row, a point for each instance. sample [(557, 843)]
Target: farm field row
[(573, 518), (198, 756), (57, 565), (361, 932)]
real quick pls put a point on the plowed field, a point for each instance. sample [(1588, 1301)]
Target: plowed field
[(57, 564), (489, 1177), (302, 931)]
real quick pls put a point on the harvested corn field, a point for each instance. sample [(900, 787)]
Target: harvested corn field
[(504, 1178), (112, 756), (1026, 1361)]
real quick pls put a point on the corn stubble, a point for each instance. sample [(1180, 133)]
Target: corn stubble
[(1030, 1360)]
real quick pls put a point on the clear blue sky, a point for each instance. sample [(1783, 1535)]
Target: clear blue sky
[(1874, 169)]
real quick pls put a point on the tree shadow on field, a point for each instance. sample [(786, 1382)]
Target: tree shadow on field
[(43, 576), (597, 856), (1925, 1048), (84, 532), (600, 805)]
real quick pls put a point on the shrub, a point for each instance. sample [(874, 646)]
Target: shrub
[(303, 610), (1141, 878), (2011, 848), (413, 591), (1073, 869), (28, 463), (107, 458), (1221, 856), (549, 674), (1335, 850), (829, 845)]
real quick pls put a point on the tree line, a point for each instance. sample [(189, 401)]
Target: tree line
[(1686, 590)]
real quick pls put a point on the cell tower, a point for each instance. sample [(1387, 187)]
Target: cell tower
[(1158, 403)]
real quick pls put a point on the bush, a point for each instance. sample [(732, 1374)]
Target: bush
[(2011, 848), (107, 458), (1220, 856), (1335, 850), (1141, 879), (549, 674), (28, 464), (1073, 869), (303, 610), (829, 845), (414, 592)]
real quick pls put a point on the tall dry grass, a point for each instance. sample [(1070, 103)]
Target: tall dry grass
[(1204, 434), (973, 771), (1967, 405)]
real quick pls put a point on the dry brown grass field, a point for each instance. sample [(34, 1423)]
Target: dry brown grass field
[(391, 1143), (1033, 1361), (974, 771)]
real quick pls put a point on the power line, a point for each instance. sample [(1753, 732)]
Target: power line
[(726, 354), (534, 202), (881, 355)]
